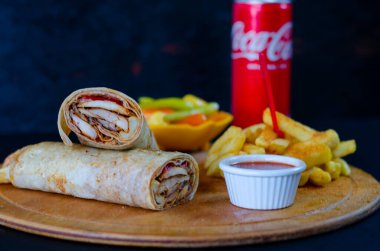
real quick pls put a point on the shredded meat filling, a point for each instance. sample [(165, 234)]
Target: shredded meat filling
[(104, 119), (174, 183)]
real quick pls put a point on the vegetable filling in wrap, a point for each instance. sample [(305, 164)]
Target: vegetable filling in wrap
[(104, 118), (141, 178)]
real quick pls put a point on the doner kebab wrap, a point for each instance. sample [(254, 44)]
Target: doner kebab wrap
[(104, 118), (140, 178)]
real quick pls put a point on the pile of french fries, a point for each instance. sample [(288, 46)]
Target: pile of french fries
[(322, 151)]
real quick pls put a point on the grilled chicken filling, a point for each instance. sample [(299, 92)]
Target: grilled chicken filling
[(174, 183), (103, 119)]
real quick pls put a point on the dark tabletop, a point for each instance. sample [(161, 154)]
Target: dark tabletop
[(363, 235)]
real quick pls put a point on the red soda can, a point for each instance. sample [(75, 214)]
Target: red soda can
[(260, 26)]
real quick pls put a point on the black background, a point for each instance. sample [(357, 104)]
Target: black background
[(173, 47)]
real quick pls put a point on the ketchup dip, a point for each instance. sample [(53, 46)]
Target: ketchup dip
[(262, 165), (262, 181)]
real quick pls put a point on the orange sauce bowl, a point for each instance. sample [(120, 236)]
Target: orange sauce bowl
[(185, 137)]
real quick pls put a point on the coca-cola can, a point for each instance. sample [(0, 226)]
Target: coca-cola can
[(260, 27)]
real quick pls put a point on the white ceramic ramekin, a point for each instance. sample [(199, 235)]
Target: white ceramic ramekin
[(262, 189)]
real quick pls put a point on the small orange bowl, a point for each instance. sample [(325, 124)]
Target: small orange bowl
[(184, 137)]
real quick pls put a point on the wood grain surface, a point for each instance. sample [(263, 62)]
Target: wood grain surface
[(209, 220)]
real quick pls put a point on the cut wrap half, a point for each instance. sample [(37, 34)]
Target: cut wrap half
[(141, 178), (104, 118)]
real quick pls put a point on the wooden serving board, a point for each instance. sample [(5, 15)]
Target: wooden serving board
[(208, 220)]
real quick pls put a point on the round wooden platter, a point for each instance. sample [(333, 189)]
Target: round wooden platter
[(208, 220)]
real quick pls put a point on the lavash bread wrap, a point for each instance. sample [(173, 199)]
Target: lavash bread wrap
[(104, 118), (140, 178)]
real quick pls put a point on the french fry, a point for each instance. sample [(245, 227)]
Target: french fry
[(291, 139), (211, 157), (344, 148), (329, 137), (305, 175), (278, 146), (266, 136), (289, 126), (346, 169), (333, 168), (319, 177), (320, 150), (206, 146), (213, 168), (221, 174), (227, 137), (313, 153), (253, 149), (4, 175), (229, 144), (252, 132), (234, 145)]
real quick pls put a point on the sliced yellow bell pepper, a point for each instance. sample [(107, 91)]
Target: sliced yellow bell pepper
[(196, 101)]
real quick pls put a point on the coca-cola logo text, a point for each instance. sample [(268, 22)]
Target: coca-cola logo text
[(278, 45)]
